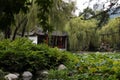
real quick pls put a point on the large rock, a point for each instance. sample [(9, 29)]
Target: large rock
[(27, 75), (62, 67), (11, 76)]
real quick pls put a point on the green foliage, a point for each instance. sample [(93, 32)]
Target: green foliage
[(82, 34), (60, 13), (62, 75), (8, 9), (48, 14), (101, 66), (53, 14), (110, 33), (44, 7), (58, 75), (17, 45), (21, 55), (94, 66)]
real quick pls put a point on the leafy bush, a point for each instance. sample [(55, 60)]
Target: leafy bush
[(13, 60), (22, 54)]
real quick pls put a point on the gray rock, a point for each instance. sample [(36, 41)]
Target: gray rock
[(62, 67), (27, 75), (45, 72), (11, 76)]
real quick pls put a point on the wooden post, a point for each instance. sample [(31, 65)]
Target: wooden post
[(66, 43)]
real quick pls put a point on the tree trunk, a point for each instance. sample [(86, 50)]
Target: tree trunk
[(24, 28), (15, 32), (17, 28), (7, 33)]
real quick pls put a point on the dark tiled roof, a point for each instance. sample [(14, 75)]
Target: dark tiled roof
[(40, 32)]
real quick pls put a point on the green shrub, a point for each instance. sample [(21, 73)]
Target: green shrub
[(58, 75), (22, 54), (13, 60)]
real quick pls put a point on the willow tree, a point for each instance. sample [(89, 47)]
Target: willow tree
[(82, 34), (44, 7), (110, 33), (25, 22), (60, 13), (7, 10), (53, 14)]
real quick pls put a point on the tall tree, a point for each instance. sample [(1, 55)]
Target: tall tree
[(82, 34), (44, 7), (7, 10), (19, 20), (54, 13), (25, 22), (110, 33), (61, 13)]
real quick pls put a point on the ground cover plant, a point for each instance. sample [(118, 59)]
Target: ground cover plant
[(21, 55), (102, 66), (93, 66)]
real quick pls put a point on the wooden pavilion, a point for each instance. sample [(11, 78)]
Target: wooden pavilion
[(55, 39)]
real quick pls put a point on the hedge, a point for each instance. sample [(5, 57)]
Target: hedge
[(21, 55)]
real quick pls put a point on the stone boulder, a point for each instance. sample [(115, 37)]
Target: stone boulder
[(27, 75), (11, 76), (62, 67)]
